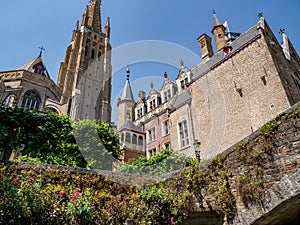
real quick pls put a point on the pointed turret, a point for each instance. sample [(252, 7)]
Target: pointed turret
[(95, 15), (126, 102), (107, 28), (85, 17), (127, 92), (75, 30), (219, 33)]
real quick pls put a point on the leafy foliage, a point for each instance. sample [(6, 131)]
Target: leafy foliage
[(50, 138), (166, 161)]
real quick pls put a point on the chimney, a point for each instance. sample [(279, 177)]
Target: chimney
[(205, 46), (142, 95)]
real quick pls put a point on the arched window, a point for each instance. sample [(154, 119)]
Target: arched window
[(9, 100), (128, 138), (134, 139), (141, 141), (31, 100), (122, 137)]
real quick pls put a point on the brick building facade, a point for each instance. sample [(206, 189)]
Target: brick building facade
[(231, 93)]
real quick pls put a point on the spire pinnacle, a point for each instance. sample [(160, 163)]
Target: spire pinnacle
[(216, 20), (107, 28), (165, 75), (95, 15), (128, 73), (151, 85)]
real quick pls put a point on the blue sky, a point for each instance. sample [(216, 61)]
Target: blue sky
[(26, 25)]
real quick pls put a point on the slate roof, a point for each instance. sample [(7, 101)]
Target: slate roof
[(128, 125), (181, 99), (127, 93)]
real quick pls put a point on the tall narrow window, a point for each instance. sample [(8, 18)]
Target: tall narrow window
[(31, 100), (141, 141), (165, 127), (151, 135), (183, 134), (134, 139)]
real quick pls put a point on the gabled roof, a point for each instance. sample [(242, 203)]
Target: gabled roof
[(36, 65)]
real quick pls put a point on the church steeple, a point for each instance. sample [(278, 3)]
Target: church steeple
[(95, 15)]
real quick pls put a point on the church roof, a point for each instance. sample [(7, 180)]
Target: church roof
[(127, 92), (36, 65)]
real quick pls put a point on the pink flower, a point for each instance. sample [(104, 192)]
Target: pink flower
[(61, 194), (172, 219), (75, 195), (174, 202), (16, 181)]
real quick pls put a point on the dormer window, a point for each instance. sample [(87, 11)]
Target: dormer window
[(183, 83), (152, 104), (139, 112)]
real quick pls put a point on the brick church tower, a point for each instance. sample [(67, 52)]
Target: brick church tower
[(85, 75)]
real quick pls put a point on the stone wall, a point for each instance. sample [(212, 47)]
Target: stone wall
[(237, 97), (261, 175)]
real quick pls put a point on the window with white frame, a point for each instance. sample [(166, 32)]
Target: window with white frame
[(152, 104), (151, 135), (139, 112), (183, 134), (165, 128), (183, 83)]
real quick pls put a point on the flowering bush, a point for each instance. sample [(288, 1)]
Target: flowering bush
[(38, 195)]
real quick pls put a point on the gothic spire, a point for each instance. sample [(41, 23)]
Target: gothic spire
[(95, 15)]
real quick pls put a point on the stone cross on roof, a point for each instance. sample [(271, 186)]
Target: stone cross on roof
[(42, 49)]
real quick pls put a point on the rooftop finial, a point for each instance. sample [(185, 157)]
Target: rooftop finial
[(282, 31), (165, 75), (181, 63), (260, 14), (128, 73), (151, 85), (42, 49), (214, 11)]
